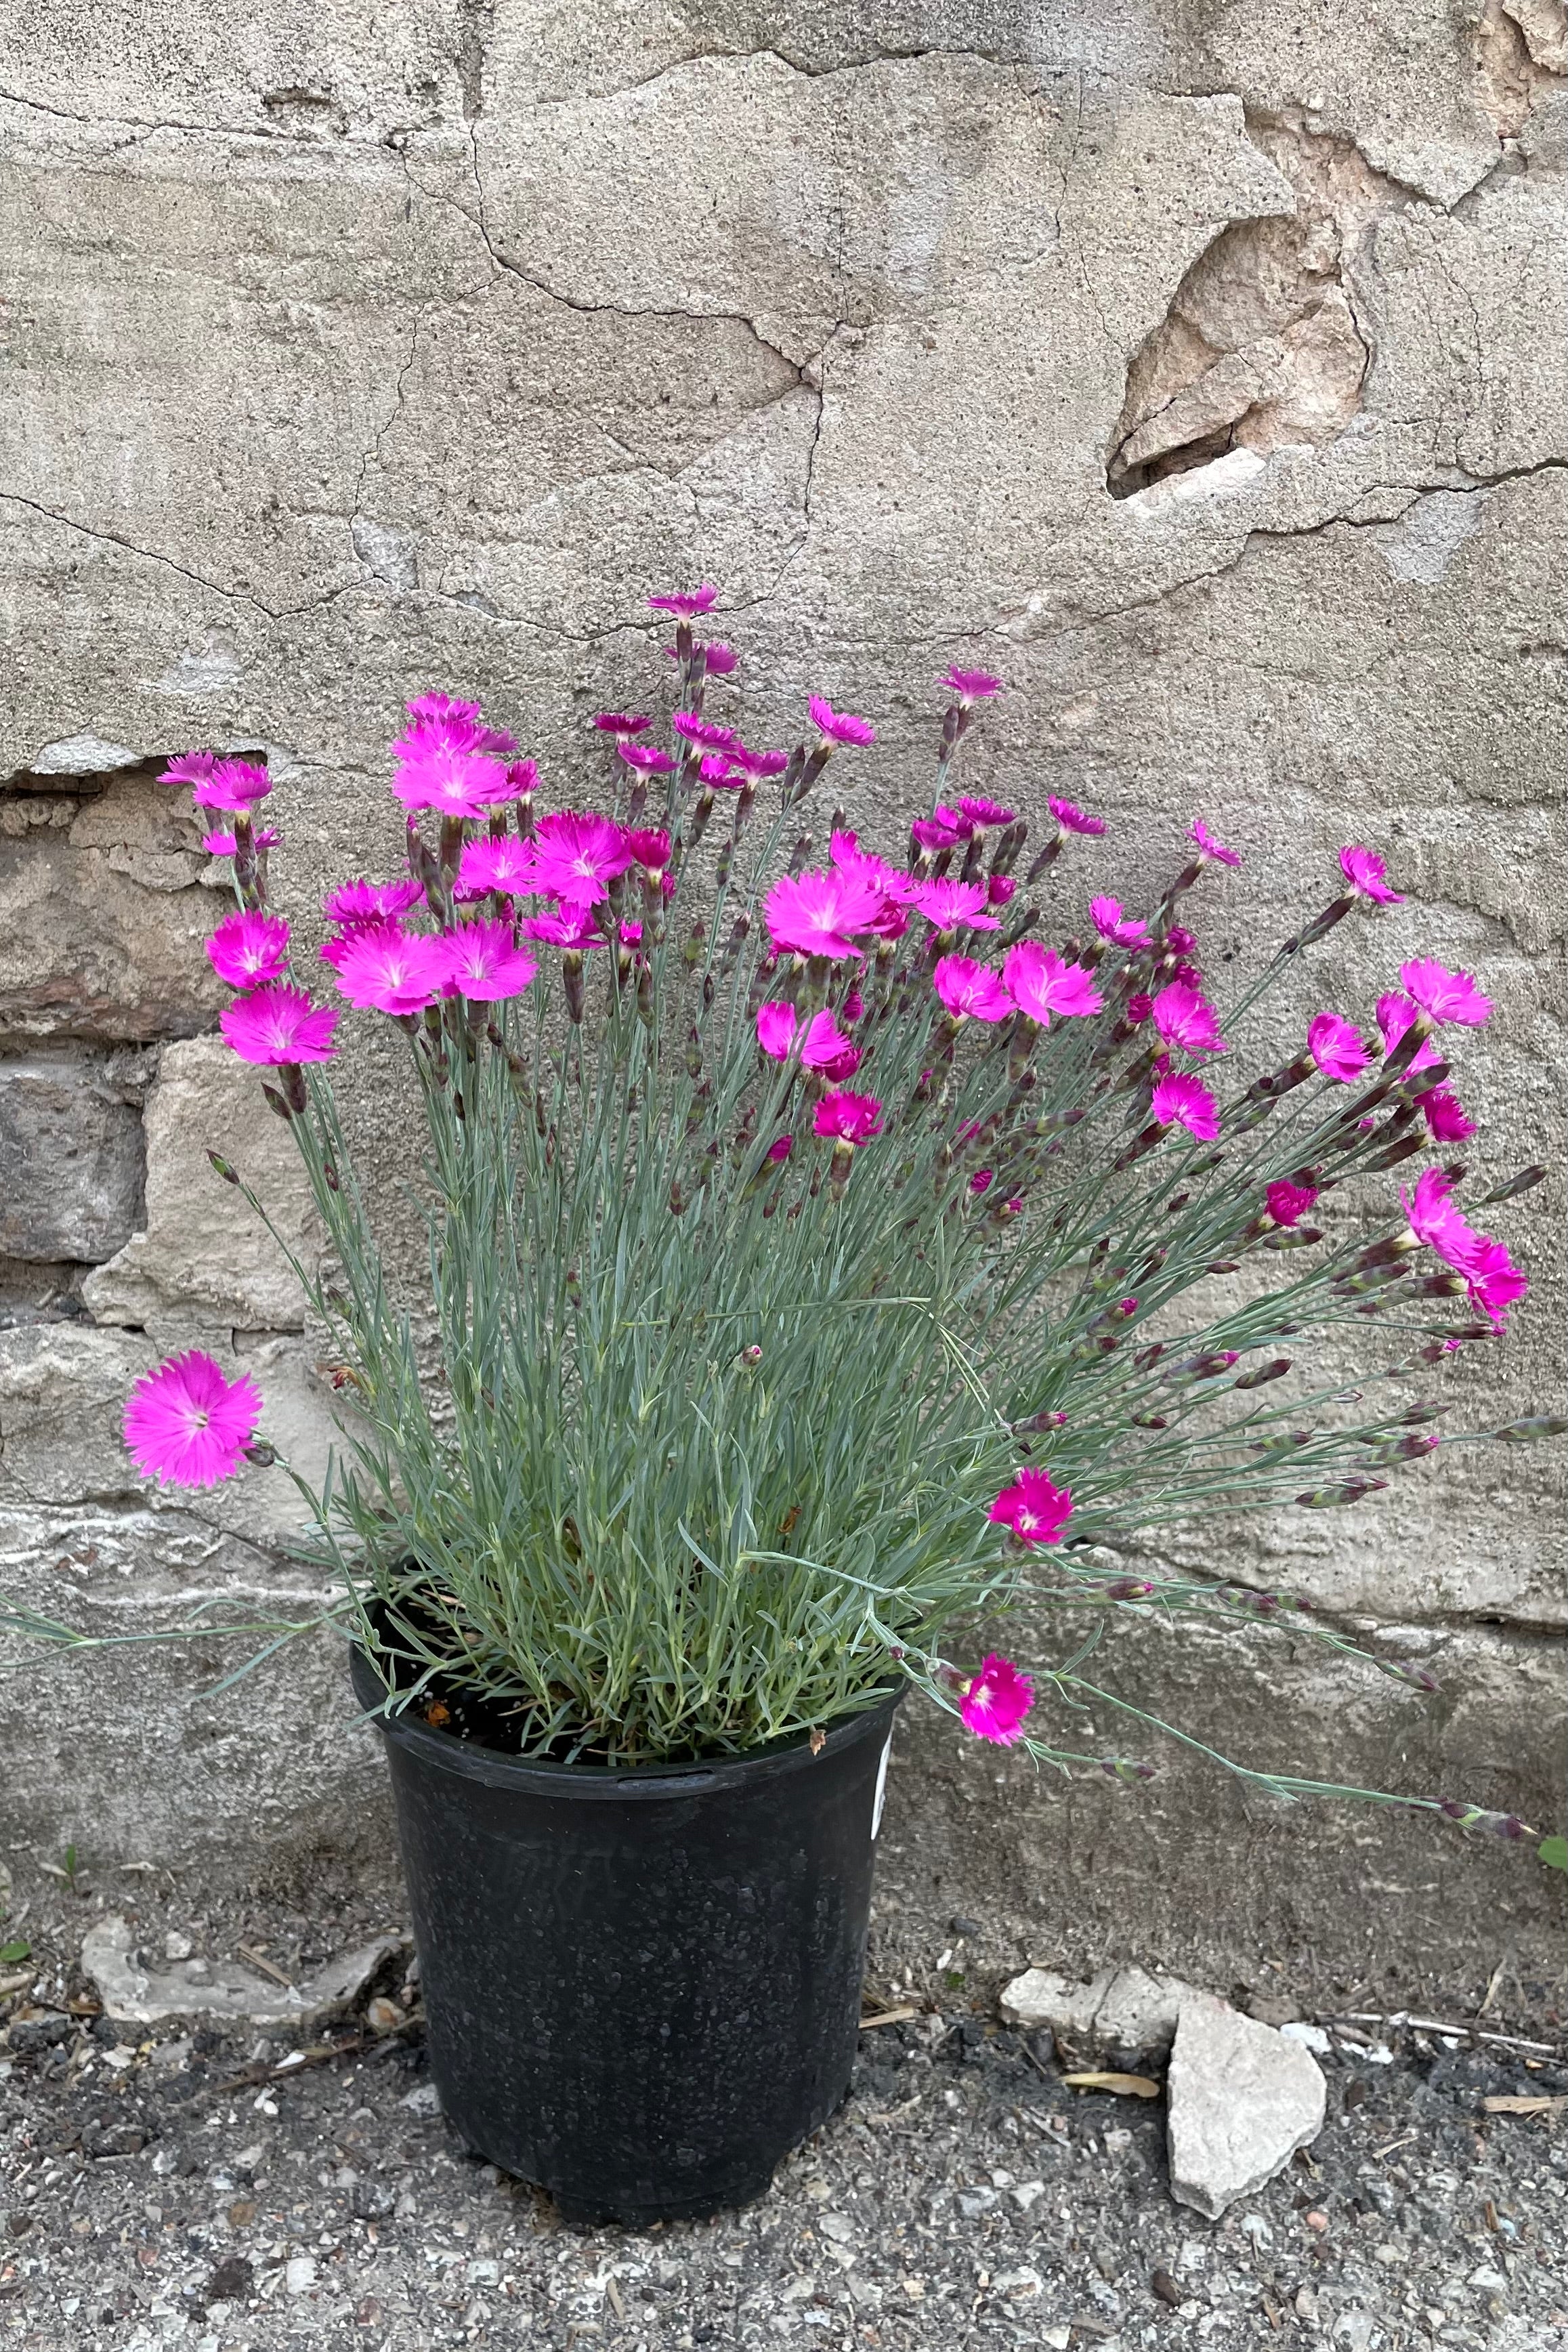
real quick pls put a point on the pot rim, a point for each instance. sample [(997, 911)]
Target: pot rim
[(491, 1767)]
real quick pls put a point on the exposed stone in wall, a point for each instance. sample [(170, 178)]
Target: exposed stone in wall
[(100, 918), (1522, 57), (204, 1262), (1261, 347), (72, 1159)]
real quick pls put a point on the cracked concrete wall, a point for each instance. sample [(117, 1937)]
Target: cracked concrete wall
[(1197, 366)]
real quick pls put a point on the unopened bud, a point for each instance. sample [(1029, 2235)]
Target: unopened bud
[(1405, 1670), (1476, 1817), (1125, 1768), (1349, 1490), (1525, 1433), (752, 1355), (1265, 1373), (1525, 1180), (261, 1455), (1129, 1588), (220, 1167)]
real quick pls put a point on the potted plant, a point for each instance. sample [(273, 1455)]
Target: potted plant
[(824, 1254)]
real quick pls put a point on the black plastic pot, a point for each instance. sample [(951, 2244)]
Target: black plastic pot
[(641, 1989)]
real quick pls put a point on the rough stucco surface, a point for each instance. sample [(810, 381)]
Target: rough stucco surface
[(1197, 368)]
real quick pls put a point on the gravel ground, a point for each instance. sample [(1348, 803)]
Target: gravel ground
[(169, 2190)]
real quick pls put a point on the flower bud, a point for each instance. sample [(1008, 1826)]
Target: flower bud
[(1349, 1490), (1265, 1373), (1524, 1433)]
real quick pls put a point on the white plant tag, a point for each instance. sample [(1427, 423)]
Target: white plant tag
[(881, 1786)]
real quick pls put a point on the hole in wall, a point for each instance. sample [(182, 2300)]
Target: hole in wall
[(1261, 346)]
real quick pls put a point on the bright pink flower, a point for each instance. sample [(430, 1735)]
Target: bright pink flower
[(758, 765), (1364, 870), (837, 727), (780, 1148), (849, 1118), (980, 1181), (1180, 940), (692, 728), (1126, 930), (651, 850), (953, 906), (689, 606), (622, 725), (334, 950), (506, 865), (188, 1426), (999, 889), (1445, 1116), (1288, 1204), (630, 935), (719, 768), (439, 722), (522, 775), (236, 785), (224, 844), (646, 758), (1395, 1014), (1040, 983), (1494, 1283), (1443, 995), (986, 817), (578, 857), (444, 714), (278, 1024), (1187, 1020), (1207, 846), (826, 1048), (718, 659), (1140, 1008), (433, 773), (388, 970), (970, 991), (944, 828), (1180, 1100), (572, 927), (1435, 1221), (1337, 1048), (484, 965), (1188, 974), (815, 912), (996, 1702), (866, 866), (359, 901), (188, 768), (1072, 819), (970, 684), (249, 949), (1036, 1510)]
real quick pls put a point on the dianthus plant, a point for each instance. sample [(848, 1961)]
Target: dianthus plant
[(825, 1251)]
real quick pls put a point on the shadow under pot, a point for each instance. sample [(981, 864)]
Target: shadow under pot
[(643, 1988)]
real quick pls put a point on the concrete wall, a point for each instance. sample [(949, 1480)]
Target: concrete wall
[(1198, 368)]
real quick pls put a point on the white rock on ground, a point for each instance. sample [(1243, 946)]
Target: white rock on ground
[(133, 1994), (1120, 2008), (1241, 2099)]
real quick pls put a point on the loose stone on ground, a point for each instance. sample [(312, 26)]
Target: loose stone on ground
[(1243, 2099)]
